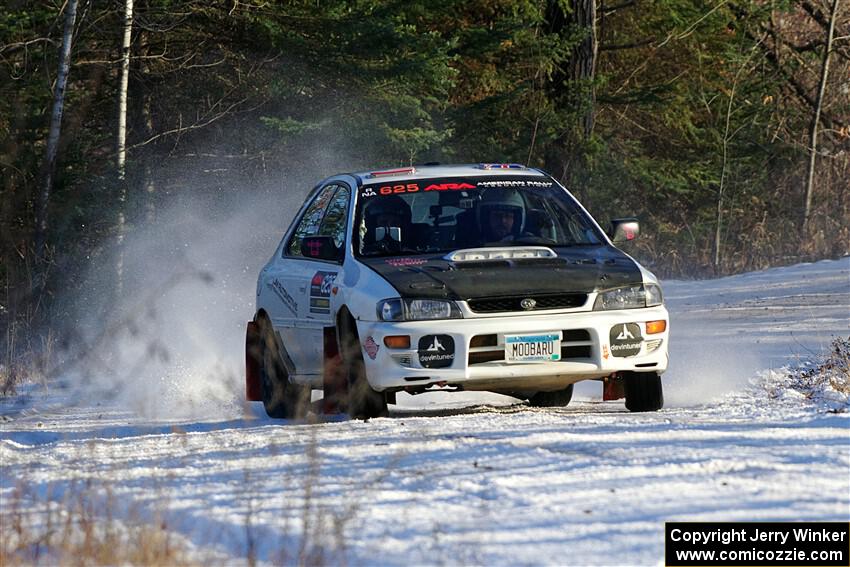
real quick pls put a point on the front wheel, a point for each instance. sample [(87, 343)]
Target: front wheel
[(363, 401), (643, 391)]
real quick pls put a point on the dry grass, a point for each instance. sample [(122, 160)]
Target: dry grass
[(83, 528), (832, 371), (26, 364), (824, 381), (85, 523)]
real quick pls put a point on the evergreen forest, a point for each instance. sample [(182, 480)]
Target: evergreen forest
[(723, 125)]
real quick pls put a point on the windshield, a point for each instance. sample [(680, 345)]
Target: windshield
[(442, 215)]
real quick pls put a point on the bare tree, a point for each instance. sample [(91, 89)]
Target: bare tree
[(579, 70), (728, 135), (583, 60), (48, 168), (813, 132), (122, 92), (122, 137)]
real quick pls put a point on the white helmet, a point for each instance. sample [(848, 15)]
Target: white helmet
[(495, 199)]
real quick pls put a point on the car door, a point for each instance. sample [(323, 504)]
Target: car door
[(310, 280)]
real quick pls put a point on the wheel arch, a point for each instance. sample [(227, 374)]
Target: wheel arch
[(345, 323)]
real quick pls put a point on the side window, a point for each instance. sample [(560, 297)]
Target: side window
[(311, 221), (335, 218)]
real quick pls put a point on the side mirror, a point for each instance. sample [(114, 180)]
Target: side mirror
[(623, 230), (320, 248)]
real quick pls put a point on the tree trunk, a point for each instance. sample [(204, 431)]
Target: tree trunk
[(122, 139), (578, 71), (143, 92), (583, 61), (813, 132), (727, 137), (148, 181), (122, 92), (48, 169)]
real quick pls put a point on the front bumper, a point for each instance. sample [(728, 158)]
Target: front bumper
[(586, 350)]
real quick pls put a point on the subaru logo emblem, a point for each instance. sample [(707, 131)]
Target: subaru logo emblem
[(528, 304)]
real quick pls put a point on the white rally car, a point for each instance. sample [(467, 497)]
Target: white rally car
[(475, 277)]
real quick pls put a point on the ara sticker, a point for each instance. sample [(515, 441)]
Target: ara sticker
[(449, 187), (284, 296), (371, 347), (320, 292), (402, 262)]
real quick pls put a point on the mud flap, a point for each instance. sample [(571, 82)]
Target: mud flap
[(253, 350), (334, 380), (614, 388)]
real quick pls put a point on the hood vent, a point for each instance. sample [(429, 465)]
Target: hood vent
[(504, 253)]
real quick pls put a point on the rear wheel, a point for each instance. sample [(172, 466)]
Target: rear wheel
[(363, 401), (556, 399), (282, 399), (643, 391)]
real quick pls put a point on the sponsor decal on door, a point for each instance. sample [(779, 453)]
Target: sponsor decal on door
[(320, 292), (284, 296)]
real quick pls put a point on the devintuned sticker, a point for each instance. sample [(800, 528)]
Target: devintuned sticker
[(371, 347), (436, 351), (625, 339)]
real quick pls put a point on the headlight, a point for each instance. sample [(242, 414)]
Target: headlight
[(417, 309), (390, 310), (631, 297)]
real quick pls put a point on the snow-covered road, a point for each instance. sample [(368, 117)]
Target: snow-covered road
[(478, 479)]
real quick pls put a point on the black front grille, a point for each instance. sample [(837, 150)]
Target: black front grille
[(543, 302), (568, 351)]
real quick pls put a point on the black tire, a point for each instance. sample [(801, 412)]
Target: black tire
[(363, 402), (556, 399), (281, 398), (643, 391)]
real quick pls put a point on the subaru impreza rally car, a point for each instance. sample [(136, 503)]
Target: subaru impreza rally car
[(474, 277)]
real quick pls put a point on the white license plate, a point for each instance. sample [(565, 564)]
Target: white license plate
[(539, 347)]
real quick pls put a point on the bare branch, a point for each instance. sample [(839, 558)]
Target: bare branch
[(815, 13), (21, 45), (632, 45), (611, 9), (690, 29), (200, 123)]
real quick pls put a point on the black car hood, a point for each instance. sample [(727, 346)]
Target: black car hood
[(580, 269)]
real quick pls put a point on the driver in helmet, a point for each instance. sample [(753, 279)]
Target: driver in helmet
[(501, 215), (391, 214)]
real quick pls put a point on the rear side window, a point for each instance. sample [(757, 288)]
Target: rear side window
[(311, 222), (337, 213)]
